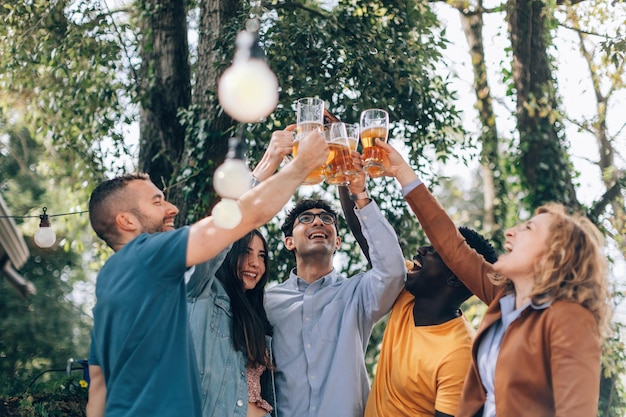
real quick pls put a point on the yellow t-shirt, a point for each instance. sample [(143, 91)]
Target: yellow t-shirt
[(421, 369)]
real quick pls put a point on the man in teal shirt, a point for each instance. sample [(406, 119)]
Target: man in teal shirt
[(141, 359)]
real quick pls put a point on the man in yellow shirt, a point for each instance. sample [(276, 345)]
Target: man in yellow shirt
[(426, 346)]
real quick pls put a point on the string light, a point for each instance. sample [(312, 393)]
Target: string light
[(232, 178), (44, 236), (226, 214), (230, 181), (248, 92), (248, 89)]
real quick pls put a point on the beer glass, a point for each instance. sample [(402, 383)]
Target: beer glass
[(353, 141), (339, 167), (374, 124), (309, 117), (352, 129)]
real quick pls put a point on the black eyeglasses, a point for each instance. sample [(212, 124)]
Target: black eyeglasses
[(308, 217)]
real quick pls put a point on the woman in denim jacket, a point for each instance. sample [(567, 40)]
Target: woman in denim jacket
[(231, 334)]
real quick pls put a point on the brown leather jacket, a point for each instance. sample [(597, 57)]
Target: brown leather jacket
[(549, 361)]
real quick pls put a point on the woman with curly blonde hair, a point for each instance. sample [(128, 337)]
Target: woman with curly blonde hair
[(537, 350), (573, 266)]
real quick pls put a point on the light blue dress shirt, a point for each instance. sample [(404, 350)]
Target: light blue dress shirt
[(489, 347), (321, 329)]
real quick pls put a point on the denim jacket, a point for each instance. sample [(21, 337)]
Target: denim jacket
[(222, 368)]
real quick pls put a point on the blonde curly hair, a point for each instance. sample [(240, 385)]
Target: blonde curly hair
[(573, 268)]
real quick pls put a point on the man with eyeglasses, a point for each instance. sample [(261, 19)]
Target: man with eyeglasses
[(322, 320)]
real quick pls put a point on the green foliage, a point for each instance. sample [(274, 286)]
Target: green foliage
[(60, 77), (612, 400), (66, 83), (47, 328), (615, 49), (361, 55), (18, 153), (64, 396), (201, 159)]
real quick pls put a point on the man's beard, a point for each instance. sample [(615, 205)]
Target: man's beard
[(148, 225)]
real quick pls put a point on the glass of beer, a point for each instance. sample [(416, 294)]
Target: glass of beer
[(374, 124), (352, 129), (309, 117), (353, 141), (339, 167)]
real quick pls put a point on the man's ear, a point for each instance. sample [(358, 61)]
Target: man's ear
[(289, 245), (126, 221), (337, 243)]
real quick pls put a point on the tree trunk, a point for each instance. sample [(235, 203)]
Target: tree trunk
[(166, 88), (209, 128), (613, 178), (544, 164), (494, 207)]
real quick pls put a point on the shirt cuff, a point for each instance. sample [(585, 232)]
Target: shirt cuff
[(410, 186)]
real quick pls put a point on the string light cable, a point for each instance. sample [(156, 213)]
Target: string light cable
[(44, 236)]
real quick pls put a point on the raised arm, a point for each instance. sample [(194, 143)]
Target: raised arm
[(259, 204), (281, 145), (469, 266), (346, 197)]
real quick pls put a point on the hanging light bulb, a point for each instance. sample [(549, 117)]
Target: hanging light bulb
[(233, 177), (226, 214), (248, 89), (45, 236)]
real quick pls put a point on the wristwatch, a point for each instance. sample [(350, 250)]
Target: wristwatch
[(254, 181), (360, 196)]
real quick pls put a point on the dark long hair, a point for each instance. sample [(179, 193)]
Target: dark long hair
[(249, 324)]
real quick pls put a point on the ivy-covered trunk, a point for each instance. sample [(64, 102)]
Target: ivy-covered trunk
[(207, 126), (165, 88), (494, 216), (543, 160)]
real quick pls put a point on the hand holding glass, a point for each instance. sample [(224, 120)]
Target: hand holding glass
[(374, 124), (339, 167), (353, 141), (309, 117)]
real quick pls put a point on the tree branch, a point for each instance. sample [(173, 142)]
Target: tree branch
[(607, 198)]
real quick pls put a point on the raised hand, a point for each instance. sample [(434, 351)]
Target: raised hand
[(357, 181), (312, 151), (395, 165), (281, 145)]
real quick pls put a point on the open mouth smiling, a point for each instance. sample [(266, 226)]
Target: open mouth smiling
[(250, 275), (317, 234), (414, 265)]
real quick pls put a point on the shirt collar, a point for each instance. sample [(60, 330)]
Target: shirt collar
[(301, 285), (509, 313)]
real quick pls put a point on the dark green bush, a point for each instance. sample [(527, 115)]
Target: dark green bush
[(64, 396)]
